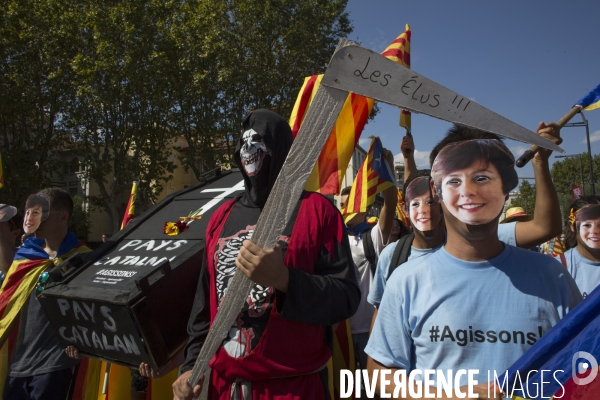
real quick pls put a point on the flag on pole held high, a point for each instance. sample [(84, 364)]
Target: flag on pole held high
[(590, 101), (130, 209), (399, 51), (570, 350), (330, 169), (374, 176)]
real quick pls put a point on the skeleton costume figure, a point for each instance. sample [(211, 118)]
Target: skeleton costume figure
[(253, 152), (276, 335)]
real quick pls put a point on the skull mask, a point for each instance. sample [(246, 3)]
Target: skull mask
[(253, 152)]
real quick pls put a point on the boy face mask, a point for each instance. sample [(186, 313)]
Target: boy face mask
[(37, 210), (587, 223), (422, 207), (472, 178)]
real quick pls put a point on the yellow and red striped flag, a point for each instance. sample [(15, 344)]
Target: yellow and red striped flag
[(330, 169), (1, 174), (400, 211), (130, 209), (21, 279), (342, 358), (399, 51), (373, 177)]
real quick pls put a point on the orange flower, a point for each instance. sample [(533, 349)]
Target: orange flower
[(171, 229)]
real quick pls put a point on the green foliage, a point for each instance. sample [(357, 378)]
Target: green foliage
[(116, 82), (526, 198), (79, 222), (566, 173)]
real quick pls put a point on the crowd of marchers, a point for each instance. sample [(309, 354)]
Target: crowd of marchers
[(408, 291)]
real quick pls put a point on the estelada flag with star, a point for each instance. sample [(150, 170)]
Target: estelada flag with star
[(374, 176)]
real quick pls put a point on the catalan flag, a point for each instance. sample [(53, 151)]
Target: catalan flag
[(130, 209), (1, 174), (400, 211), (330, 169), (29, 263), (590, 101), (342, 357), (373, 177), (556, 248), (563, 359), (399, 51)]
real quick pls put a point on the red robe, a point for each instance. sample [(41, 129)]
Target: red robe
[(293, 345)]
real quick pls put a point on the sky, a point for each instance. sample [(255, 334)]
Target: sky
[(529, 61)]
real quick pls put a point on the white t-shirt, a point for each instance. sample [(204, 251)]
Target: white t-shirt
[(360, 322)]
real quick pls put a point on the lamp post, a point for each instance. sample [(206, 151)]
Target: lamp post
[(580, 168), (587, 136)]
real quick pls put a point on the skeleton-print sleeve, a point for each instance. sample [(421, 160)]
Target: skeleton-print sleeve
[(326, 297), (199, 321)]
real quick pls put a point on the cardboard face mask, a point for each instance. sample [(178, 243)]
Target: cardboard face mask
[(587, 222), (423, 208), (37, 210), (472, 179)]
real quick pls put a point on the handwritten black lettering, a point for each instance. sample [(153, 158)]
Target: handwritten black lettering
[(407, 87), (415, 92), (373, 76), (386, 80), (360, 73), (436, 97), (424, 101)]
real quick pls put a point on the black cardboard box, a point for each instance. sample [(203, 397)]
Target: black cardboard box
[(129, 301)]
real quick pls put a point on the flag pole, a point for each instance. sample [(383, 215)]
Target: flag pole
[(528, 155)]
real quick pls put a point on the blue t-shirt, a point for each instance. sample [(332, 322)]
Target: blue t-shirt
[(383, 268), (506, 234), (585, 272), (440, 312)]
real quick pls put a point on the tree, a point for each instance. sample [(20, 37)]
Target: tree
[(119, 115), (261, 51), (526, 198), (79, 222), (566, 173), (117, 82), (35, 82)]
